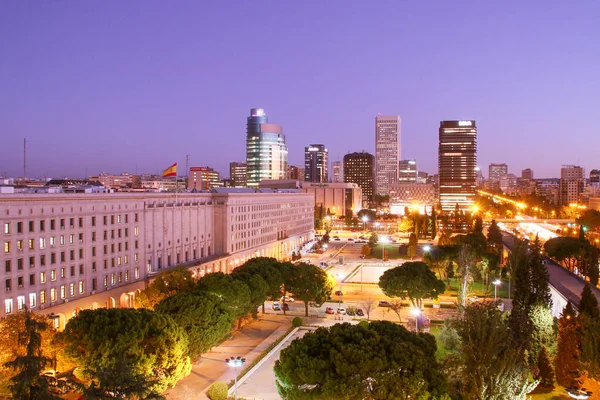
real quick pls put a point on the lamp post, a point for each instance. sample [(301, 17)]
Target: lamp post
[(496, 283), (365, 219), (235, 362), (384, 240), (340, 279), (416, 312)]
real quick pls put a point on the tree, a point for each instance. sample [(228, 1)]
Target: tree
[(167, 283), (433, 223), (272, 271), (494, 237), (348, 216), (546, 374), (370, 214), (259, 289), (203, 316), (152, 344), (367, 305), (373, 240), (478, 226), (396, 307), (467, 264), (380, 361), (588, 305), (413, 280), (413, 240), (566, 250), (28, 382), (365, 250), (234, 293), (309, 283), (567, 349), (490, 367), (406, 225)]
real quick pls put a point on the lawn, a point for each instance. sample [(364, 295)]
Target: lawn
[(559, 393), (479, 290)]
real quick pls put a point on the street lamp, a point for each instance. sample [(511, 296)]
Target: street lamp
[(340, 277), (235, 362), (426, 248), (416, 312), (496, 283), (384, 240), (365, 219)]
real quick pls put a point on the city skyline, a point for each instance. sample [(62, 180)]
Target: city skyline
[(90, 99)]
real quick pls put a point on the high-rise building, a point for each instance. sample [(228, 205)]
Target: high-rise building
[(295, 172), (595, 177), (315, 163), (527, 173), (457, 164), (359, 169), (266, 150), (496, 173), (203, 178), (238, 174), (387, 152), (337, 172), (572, 184), (407, 171)]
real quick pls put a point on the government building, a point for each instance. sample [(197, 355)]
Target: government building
[(67, 252)]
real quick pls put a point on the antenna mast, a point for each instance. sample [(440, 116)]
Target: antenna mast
[(24, 158)]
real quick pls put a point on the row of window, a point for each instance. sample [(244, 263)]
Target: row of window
[(64, 222)]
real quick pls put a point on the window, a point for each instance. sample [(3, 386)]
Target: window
[(136, 244), (126, 218), (42, 226), (52, 241), (42, 297), (72, 270), (125, 259), (63, 291), (135, 217), (32, 300), (135, 257), (42, 243), (93, 221), (105, 280), (93, 236), (62, 240), (31, 244), (81, 238), (52, 258), (62, 223), (127, 276), (136, 273), (120, 277), (72, 255), (136, 231), (105, 220), (112, 219), (7, 266), (8, 306), (19, 264), (7, 228), (112, 279), (71, 222), (81, 222), (126, 232), (53, 294), (105, 235), (52, 224), (71, 238), (32, 262), (94, 266), (7, 247), (20, 302), (81, 287), (63, 273), (20, 281), (93, 252), (118, 219), (119, 260), (53, 275), (94, 284), (105, 249), (42, 277), (80, 254), (42, 260), (126, 246), (72, 289), (19, 227), (31, 279), (63, 257), (8, 285), (80, 269), (31, 226)]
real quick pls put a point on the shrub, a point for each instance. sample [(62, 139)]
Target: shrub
[(364, 324), (448, 337), (296, 322), (218, 391)]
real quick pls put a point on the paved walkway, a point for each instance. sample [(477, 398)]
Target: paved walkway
[(248, 343)]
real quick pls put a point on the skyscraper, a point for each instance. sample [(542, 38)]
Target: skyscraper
[(527, 173), (238, 174), (572, 183), (358, 168), (266, 150), (315, 163), (457, 164), (337, 172), (407, 171), (496, 173), (387, 152)]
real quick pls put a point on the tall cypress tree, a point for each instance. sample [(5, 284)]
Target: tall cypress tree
[(567, 350), (540, 278), (433, 223), (519, 319), (588, 305)]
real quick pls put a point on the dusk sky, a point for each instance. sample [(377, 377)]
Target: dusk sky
[(133, 86)]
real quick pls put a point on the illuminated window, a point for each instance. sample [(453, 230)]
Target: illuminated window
[(53, 294), (8, 306), (7, 247)]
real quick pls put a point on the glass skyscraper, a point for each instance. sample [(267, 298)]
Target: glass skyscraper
[(266, 151), (315, 163)]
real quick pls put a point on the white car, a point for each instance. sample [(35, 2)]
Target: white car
[(341, 310), (287, 299), (276, 306)]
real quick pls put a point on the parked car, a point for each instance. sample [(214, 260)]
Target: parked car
[(337, 239), (360, 312), (287, 299), (276, 306), (341, 310), (339, 293), (350, 240), (351, 313), (329, 310), (286, 307), (384, 303)]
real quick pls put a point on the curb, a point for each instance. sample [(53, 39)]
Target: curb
[(242, 379)]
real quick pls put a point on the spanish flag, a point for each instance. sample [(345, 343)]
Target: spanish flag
[(171, 171)]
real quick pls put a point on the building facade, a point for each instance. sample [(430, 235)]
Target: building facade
[(337, 172), (527, 173), (415, 197), (266, 149), (407, 171), (203, 178), (117, 182), (359, 169), (315, 163), (238, 174), (335, 197), (572, 184), (66, 252), (496, 173), (457, 163), (387, 152)]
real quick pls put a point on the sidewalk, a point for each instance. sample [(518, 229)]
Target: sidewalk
[(248, 343)]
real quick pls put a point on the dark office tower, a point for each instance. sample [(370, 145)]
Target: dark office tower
[(595, 176), (407, 171), (315, 163), (527, 174), (457, 164), (238, 174), (266, 151), (359, 169), (293, 173)]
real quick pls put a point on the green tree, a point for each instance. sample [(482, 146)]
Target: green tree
[(406, 225), (413, 280), (370, 214), (309, 283), (413, 240), (494, 237), (348, 216), (490, 368), (234, 293), (373, 240), (28, 383), (546, 372), (203, 316), (218, 391), (152, 344), (167, 283), (589, 319), (588, 305), (567, 349), (478, 226), (467, 266), (433, 223), (568, 251), (380, 361), (272, 271)]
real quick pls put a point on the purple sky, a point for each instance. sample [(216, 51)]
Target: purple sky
[(136, 85)]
